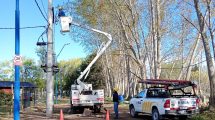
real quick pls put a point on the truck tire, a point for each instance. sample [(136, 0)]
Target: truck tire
[(97, 109), (133, 113), (73, 110), (155, 114)]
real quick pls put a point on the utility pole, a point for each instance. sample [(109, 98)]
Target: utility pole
[(50, 77), (16, 103)]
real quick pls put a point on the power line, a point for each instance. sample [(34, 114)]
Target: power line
[(42, 35), (30, 27), (41, 10), (43, 7)]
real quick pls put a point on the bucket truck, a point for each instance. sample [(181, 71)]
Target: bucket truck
[(82, 94)]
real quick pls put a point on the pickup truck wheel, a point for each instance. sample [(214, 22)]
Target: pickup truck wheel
[(73, 110), (133, 113), (155, 114), (97, 109)]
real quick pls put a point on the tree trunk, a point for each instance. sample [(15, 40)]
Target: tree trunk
[(192, 57), (158, 32), (210, 64), (154, 40)]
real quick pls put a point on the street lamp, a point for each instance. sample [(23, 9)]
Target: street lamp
[(56, 87), (62, 49)]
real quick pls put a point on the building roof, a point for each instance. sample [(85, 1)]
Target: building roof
[(8, 84)]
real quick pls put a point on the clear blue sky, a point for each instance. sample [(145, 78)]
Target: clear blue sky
[(31, 16)]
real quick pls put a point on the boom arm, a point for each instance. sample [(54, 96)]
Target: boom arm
[(65, 25), (82, 84)]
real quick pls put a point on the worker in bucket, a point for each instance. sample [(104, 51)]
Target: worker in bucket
[(116, 102)]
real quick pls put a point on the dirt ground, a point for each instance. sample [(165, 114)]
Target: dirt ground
[(38, 113)]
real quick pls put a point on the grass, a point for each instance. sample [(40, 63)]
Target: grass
[(205, 114)]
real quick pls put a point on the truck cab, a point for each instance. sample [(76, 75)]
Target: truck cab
[(165, 101)]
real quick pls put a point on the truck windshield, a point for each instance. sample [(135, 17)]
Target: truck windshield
[(87, 92), (141, 94)]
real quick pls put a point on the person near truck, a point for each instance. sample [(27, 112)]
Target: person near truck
[(116, 102)]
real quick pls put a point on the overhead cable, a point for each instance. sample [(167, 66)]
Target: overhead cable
[(41, 11), (30, 27)]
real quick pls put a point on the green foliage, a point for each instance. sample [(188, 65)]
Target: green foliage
[(30, 72), (41, 52), (170, 70), (6, 99), (198, 117), (69, 72), (95, 76), (205, 115), (6, 71), (73, 68), (108, 99), (40, 83)]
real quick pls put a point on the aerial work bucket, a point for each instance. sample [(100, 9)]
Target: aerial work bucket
[(65, 23)]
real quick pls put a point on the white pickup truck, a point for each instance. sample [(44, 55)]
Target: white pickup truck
[(168, 99)]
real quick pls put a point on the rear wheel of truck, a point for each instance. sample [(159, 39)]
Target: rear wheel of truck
[(73, 110), (155, 114), (97, 108)]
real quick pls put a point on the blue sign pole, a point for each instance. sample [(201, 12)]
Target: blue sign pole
[(16, 103)]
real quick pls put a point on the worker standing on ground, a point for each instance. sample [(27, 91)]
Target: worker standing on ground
[(116, 102)]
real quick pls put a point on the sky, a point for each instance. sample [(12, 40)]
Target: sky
[(31, 16)]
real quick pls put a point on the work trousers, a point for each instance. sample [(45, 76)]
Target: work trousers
[(116, 109)]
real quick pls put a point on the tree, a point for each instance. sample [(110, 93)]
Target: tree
[(74, 67), (30, 72), (210, 63), (6, 71), (70, 72), (95, 76), (152, 39)]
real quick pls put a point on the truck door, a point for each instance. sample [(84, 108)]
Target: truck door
[(148, 102), (140, 100)]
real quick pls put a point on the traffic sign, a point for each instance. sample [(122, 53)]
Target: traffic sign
[(17, 60)]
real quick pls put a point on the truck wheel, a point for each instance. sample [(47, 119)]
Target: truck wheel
[(155, 114), (133, 113), (97, 109), (73, 109)]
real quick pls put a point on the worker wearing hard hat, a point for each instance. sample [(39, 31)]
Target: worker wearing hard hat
[(116, 102), (61, 13)]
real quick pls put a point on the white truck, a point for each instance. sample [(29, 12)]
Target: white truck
[(166, 98), (82, 94)]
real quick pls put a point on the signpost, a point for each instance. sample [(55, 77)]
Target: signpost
[(17, 60)]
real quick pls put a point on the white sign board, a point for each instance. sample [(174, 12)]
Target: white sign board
[(17, 60)]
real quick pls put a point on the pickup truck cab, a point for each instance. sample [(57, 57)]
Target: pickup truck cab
[(165, 101)]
